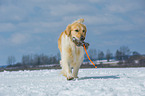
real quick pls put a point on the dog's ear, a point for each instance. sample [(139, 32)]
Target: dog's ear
[(79, 21), (68, 30)]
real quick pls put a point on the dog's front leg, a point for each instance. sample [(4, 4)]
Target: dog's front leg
[(75, 70), (66, 70)]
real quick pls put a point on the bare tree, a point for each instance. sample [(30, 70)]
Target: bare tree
[(26, 59), (11, 60), (108, 55), (123, 53), (37, 60), (93, 54), (43, 59), (118, 55), (58, 57), (100, 55)]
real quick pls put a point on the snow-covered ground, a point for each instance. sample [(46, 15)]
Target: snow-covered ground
[(91, 82)]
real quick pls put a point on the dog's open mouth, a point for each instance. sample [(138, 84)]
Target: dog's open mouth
[(80, 43)]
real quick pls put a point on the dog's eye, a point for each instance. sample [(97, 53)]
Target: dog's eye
[(83, 30), (77, 30)]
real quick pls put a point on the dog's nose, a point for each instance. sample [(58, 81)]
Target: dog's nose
[(82, 38)]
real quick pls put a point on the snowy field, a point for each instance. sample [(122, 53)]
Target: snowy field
[(91, 82)]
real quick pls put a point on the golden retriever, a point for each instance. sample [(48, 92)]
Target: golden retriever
[(71, 54)]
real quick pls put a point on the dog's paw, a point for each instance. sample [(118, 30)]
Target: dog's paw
[(75, 76), (70, 78)]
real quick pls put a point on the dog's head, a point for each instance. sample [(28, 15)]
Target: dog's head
[(76, 30)]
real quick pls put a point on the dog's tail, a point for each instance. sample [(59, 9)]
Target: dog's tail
[(79, 21)]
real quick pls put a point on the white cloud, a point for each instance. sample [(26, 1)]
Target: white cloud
[(103, 19), (31, 19), (2, 41), (124, 6), (16, 39), (138, 19), (7, 27), (123, 28), (69, 9), (12, 13), (99, 1), (39, 27), (19, 38)]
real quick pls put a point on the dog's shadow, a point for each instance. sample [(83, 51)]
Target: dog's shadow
[(100, 77)]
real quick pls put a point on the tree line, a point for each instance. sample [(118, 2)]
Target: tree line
[(36, 59), (121, 54)]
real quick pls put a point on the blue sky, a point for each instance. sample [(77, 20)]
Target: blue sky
[(33, 26)]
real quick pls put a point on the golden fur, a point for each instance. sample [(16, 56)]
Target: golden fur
[(71, 55)]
